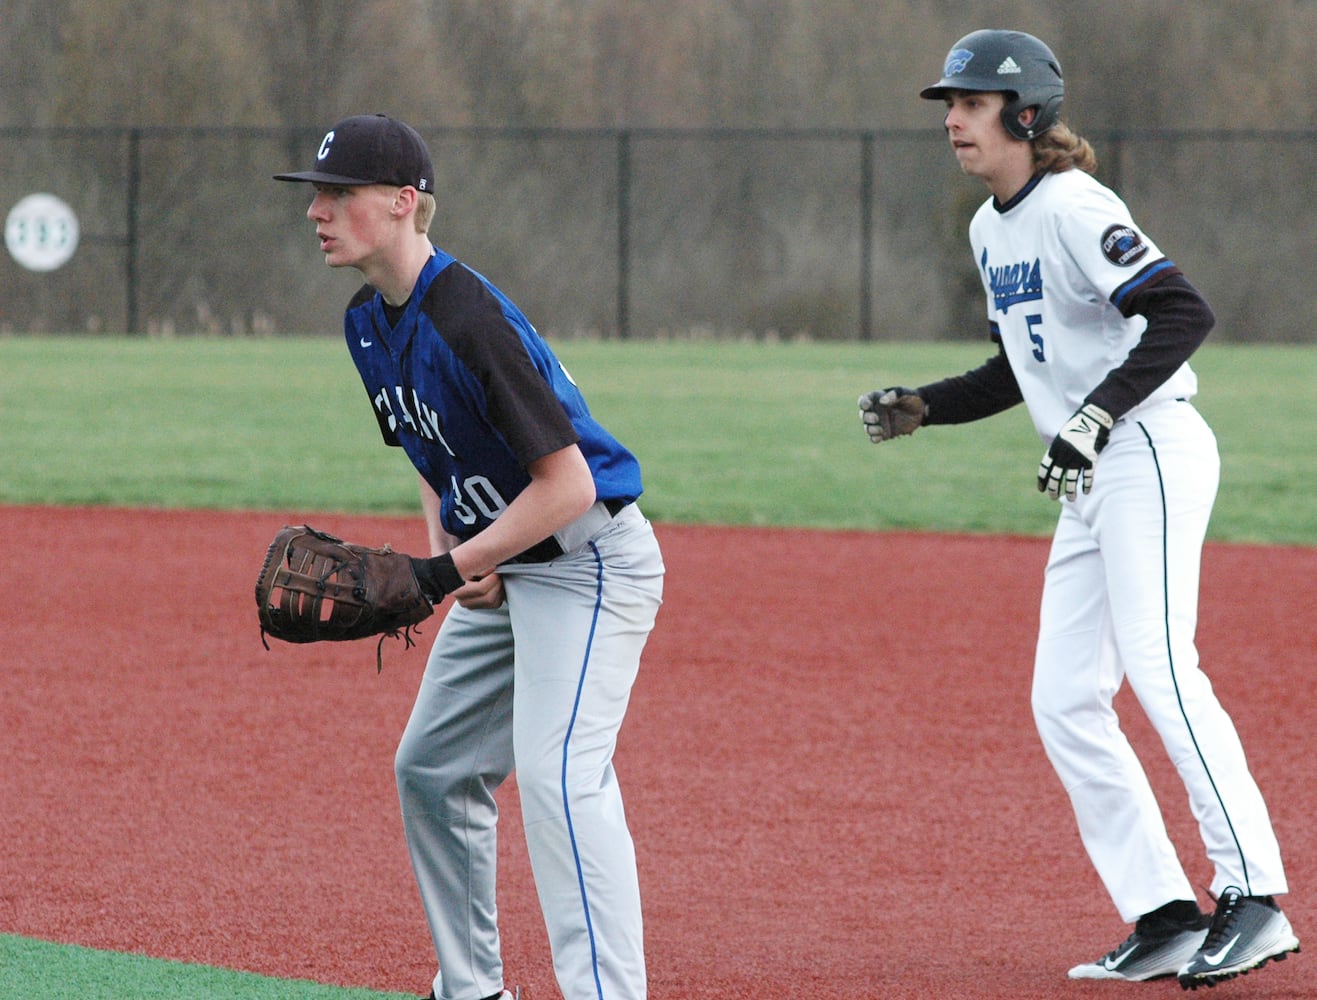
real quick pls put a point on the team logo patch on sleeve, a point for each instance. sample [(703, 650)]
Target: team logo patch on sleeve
[(1123, 245)]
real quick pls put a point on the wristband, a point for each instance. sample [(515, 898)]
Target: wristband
[(437, 576)]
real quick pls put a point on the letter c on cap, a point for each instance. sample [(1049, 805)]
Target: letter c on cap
[(323, 151)]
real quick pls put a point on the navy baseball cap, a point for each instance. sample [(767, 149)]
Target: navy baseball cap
[(370, 149)]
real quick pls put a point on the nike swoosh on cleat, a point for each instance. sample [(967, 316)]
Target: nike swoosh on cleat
[(1220, 956), (1114, 962)]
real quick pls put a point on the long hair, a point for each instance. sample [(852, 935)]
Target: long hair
[(1060, 148)]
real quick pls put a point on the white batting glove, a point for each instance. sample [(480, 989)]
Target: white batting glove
[(1074, 452)]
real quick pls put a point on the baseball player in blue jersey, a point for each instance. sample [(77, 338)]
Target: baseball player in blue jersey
[(556, 578), (1094, 328)]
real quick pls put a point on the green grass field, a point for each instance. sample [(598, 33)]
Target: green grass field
[(38, 969), (728, 433)]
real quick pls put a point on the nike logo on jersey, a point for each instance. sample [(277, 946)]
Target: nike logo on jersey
[(1220, 956), (1114, 962), (1012, 284), (365, 342)]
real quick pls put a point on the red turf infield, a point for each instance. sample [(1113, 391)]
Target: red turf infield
[(835, 786)]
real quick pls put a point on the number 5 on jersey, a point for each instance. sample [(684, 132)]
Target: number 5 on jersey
[(1036, 338)]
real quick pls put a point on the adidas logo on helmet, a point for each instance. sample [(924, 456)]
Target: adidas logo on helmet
[(1008, 65)]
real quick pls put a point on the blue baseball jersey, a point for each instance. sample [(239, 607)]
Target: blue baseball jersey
[(463, 383)]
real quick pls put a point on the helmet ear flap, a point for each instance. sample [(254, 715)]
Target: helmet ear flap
[(1048, 114)]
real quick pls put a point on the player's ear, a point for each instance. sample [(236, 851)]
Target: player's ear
[(1028, 116), (404, 201)]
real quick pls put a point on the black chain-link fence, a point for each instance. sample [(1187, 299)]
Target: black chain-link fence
[(643, 233)]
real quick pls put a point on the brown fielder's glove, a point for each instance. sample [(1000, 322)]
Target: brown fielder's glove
[(314, 587)]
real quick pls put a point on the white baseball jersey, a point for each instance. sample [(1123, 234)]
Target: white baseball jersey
[(1057, 261)]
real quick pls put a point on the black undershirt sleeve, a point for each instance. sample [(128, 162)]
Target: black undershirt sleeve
[(981, 392), (1179, 320)]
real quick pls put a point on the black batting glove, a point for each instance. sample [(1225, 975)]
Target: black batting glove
[(892, 412), (438, 576), (1074, 452)]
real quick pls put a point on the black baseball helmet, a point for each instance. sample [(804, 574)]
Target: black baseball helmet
[(1012, 62)]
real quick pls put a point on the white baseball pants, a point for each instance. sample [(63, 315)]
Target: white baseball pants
[(1120, 602)]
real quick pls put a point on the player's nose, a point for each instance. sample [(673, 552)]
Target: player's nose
[(316, 210)]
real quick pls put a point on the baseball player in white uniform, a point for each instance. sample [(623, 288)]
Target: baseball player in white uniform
[(1094, 328)]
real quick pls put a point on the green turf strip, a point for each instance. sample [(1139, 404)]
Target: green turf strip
[(727, 433), (39, 970)]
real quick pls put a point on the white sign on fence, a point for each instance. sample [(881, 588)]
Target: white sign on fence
[(41, 232)]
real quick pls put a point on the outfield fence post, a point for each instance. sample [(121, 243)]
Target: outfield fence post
[(130, 233), (624, 234), (866, 235)]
